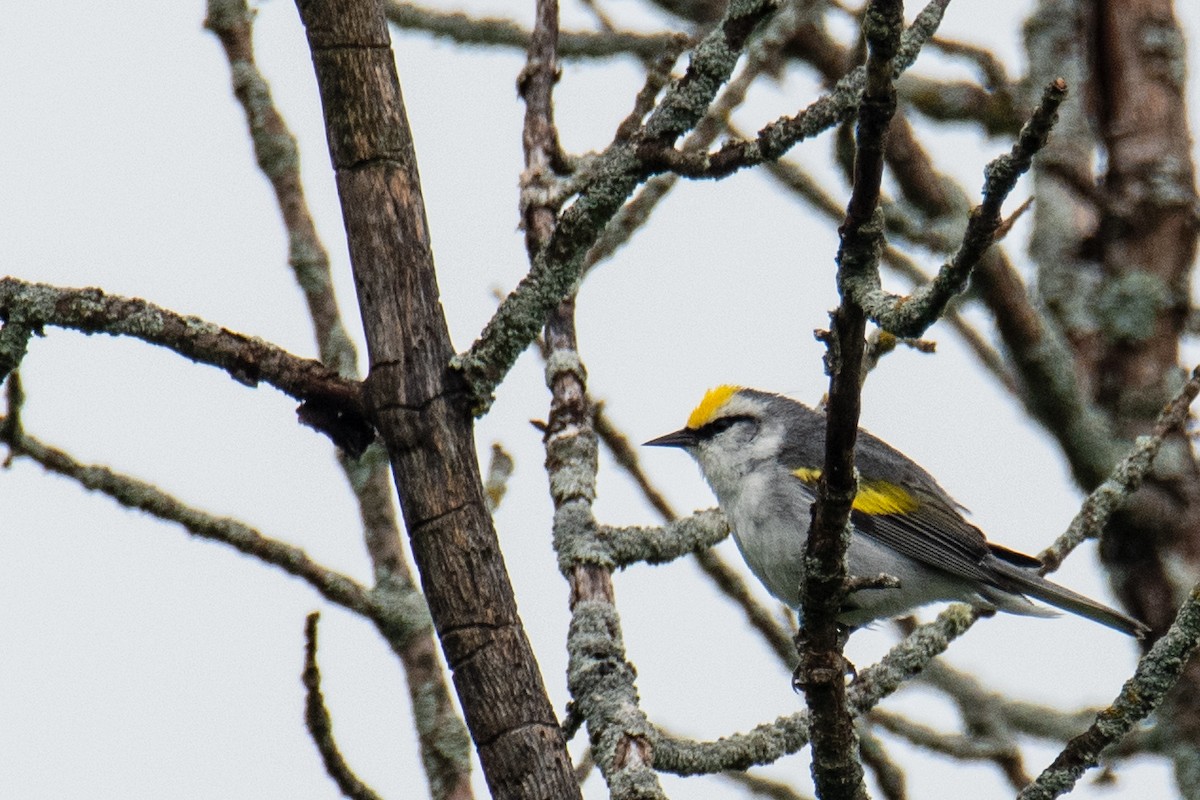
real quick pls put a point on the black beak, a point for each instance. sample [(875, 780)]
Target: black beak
[(684, 437)]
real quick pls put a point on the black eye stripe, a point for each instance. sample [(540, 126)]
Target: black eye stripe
[(718, 426)]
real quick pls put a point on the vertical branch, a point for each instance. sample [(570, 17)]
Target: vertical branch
[(421, 407), (600, 678), (1147, 249), (837, 769), (442, 737)]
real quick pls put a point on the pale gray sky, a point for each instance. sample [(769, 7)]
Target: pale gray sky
[(138, 663)]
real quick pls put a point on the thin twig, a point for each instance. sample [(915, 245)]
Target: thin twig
[(494, 32), (320, 724)]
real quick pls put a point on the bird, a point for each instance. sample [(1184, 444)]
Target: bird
[(762, 455)]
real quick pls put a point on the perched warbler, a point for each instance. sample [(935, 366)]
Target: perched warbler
[(762, 454)]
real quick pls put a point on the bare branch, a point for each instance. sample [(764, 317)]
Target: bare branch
[(1156, 673), (489, 31), (837, 768), (420, 406), (442, 735), (912, 315), (617, 172), (320, 725), (247, 359)]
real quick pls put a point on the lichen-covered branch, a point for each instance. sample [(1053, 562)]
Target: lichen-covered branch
[(599, 677), (837, 768), (776, 138), (247, 359), (1125, 478), (770, 742), (617, 172), (911, 316), (1156, 673), (398, 616)]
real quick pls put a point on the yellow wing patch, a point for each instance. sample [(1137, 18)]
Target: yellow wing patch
[(874, 497), (713, 399)]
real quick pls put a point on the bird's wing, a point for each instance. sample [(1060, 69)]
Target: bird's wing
[(918, 524)]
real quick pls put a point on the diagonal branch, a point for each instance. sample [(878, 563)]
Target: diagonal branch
[(133, 493), (911, 316), (838, 106), (441, 733), (617, 172), (1156, 673), (422, 408)]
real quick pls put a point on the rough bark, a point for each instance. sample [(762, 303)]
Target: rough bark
[(421, 408)]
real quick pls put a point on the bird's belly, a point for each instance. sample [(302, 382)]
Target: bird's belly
[(771, 532)]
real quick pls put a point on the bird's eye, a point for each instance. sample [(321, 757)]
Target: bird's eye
[(719, 426)]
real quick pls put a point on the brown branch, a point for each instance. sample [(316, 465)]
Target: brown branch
[(442, 736), (489, 31), (320, 724), (423, 409), (837, 768), (247, 359)]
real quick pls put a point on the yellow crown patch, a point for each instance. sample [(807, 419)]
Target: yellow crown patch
[(712, 401)]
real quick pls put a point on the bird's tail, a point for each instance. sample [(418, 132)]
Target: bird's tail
[(1025, 580)]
